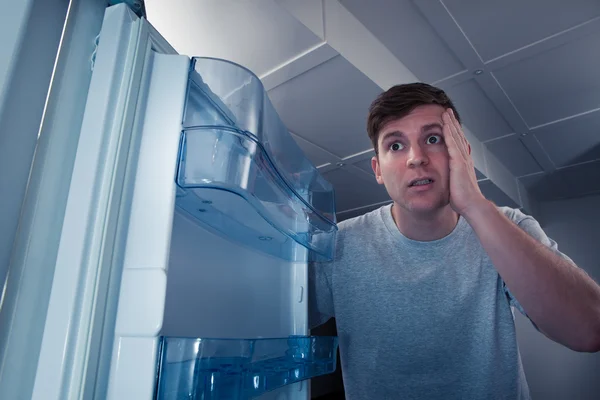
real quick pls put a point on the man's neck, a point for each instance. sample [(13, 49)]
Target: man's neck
[(425, 227)]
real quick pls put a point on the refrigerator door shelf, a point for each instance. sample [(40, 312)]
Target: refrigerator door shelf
[(236, 369), (240, 171), (229, 184)]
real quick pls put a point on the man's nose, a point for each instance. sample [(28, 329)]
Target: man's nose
[(416, 156)]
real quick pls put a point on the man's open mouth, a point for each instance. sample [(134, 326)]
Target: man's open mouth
[(420, 182)]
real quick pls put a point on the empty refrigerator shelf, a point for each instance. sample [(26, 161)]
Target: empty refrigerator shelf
[(242, 174), (229, 185), (237, 369)]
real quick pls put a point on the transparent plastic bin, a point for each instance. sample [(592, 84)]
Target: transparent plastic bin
[(237, 369), (241, 172)]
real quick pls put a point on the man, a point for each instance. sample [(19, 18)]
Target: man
[(422, 289)]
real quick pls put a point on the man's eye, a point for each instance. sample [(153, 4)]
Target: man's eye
[(434, 139), (396, 146)]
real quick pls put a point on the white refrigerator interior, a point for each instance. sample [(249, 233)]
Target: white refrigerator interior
[(191, 219)]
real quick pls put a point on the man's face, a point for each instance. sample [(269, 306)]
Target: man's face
[(413, 161)]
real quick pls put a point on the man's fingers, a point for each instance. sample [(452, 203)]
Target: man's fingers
[(456, 142), (450, 137), (466, 147), (458, 128)]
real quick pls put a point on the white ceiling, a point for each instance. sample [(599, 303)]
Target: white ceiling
[(328, 105), (257, 33), (523, 74)]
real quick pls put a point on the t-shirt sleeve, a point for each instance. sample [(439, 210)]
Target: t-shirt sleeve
[(320, 296), (533, 228)]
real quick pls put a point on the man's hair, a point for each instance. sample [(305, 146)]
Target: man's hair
[(399, 101)]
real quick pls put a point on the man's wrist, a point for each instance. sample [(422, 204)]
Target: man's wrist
[(479, 209)]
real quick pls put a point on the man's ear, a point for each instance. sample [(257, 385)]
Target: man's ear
[(376, 169)]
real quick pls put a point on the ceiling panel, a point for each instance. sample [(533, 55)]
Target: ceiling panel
[(556, 84), (564, 183), (479, 175), (328, 105), (260, 35), (495, 194), (477, 112), (500, 175), (511, 152), (545, 186), (365, 165), (353, 190), (499, 27), (572, 141), (400, 26), (315, 154), (583, 179)]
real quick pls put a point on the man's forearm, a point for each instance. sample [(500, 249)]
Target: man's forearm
[(562, 300)]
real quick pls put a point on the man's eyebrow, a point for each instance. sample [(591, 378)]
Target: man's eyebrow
[(431, 126), (397, 134)]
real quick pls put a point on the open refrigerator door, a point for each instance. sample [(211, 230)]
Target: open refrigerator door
[(191, 218)]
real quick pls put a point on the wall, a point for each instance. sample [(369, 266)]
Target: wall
[(553, 371)]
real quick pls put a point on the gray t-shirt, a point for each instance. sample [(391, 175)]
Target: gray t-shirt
[(420, 320)]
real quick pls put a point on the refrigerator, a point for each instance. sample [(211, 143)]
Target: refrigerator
[(191, 219)]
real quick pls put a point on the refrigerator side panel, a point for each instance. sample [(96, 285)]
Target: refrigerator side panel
[(28, 284), (96, 215), (30, 37), (143, 286)]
